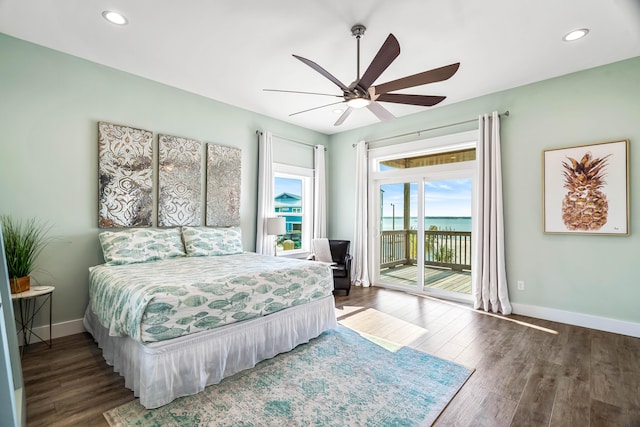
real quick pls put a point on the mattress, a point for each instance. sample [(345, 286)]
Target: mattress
[(170, 298)]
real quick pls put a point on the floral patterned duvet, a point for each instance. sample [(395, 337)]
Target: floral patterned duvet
[(165, 299)]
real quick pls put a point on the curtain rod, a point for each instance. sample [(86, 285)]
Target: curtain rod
[(290, 140), (506, 114)]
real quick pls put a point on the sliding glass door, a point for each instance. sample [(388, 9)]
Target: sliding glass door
[(421, 208), (398, 230), (447, 234), (423, 234)]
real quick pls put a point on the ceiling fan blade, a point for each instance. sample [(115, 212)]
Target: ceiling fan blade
[(431, 76), (388, 52), (323, 72), (343, 117), (306, 93), (380, 112), (315, 108), (401, 98)]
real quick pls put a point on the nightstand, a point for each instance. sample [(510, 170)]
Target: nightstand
[(30, 303)]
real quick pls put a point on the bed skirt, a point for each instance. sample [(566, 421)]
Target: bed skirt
[(162, 371)]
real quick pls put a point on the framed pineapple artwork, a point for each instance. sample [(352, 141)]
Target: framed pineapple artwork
[(586, 189)]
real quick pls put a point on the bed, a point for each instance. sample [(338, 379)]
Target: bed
[(174, 313)]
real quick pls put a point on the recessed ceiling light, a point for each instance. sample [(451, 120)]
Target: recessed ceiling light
[(575, 35), (337, 111), (114, 17)]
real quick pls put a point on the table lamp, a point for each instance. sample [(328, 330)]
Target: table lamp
[(275, 227)]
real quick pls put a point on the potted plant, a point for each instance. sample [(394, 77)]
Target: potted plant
[(23, 242)]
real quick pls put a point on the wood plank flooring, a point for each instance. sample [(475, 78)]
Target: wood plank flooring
[(529, 372)]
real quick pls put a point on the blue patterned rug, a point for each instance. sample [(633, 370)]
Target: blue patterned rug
[(337, 379)]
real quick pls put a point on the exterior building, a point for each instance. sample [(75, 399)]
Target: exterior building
[(290, 206)]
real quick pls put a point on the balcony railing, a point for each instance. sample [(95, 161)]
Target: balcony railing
[(451, 249)]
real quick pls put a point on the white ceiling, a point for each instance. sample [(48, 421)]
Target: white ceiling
[(232, 50)]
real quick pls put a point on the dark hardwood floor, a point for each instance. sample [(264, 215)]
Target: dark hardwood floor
[(528, 372)]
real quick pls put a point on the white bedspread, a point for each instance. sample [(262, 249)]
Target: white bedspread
[(174, 297)]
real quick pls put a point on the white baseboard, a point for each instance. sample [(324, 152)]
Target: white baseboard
[(622, 327), (58, 330)]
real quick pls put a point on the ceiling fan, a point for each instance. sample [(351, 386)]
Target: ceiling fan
[(361, 93)]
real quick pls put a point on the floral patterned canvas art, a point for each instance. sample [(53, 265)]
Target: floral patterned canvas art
[(126, 172), (224, 167), (179, 170)]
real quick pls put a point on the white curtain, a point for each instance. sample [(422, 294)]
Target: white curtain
[(360, 265), (489, 276), (319, 194), (264, 242)]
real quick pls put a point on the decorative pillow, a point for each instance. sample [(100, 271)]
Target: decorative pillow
[(140, 245), (211, 241)]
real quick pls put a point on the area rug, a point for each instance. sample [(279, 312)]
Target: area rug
[(338, 379)]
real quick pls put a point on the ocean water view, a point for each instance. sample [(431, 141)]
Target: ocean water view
[(452, 223)]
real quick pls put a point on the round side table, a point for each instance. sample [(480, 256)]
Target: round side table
[(30, 306)]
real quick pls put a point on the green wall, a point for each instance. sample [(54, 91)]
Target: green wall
[(50, 104), (593, 275)]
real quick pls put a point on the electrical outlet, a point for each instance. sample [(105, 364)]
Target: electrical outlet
[(521, 285)]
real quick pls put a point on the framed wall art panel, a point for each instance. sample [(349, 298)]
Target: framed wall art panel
[(224, 168), (586, 189), (126, 173), (179, 172)]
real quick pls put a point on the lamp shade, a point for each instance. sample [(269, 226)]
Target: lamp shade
[(276, 226)]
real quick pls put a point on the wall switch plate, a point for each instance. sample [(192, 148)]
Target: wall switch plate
[(521, 285)]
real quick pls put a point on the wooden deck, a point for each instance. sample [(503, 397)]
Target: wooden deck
[(438, 278)]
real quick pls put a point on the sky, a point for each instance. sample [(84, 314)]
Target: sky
[(287, 185), (442, 198)]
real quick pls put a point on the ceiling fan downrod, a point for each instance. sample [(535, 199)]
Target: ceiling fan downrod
[(357, 31)]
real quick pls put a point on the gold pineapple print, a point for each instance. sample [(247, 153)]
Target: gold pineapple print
[(585, 206)]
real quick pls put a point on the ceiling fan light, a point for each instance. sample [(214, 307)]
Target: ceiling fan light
[(114, 17), (358, 102), (575, 35)]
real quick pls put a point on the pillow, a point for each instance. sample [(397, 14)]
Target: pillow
[(321, 250), (140, 245), (212, 241)]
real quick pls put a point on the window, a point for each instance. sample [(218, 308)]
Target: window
[(293, 200)]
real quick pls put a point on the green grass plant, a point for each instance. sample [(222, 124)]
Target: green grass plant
[(23, 242)]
